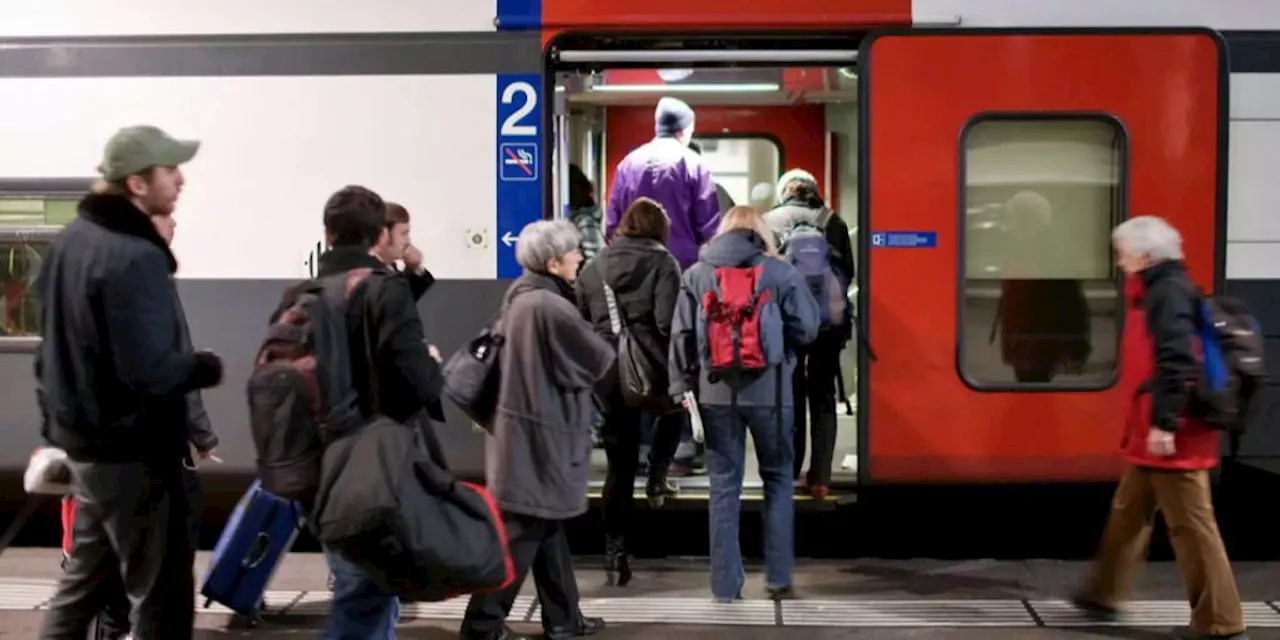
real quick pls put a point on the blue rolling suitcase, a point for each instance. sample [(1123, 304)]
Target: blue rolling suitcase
[(261, 529)]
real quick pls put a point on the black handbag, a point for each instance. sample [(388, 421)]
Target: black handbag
[(642, 379)]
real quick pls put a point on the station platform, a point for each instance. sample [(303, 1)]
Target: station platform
[(835, 599)]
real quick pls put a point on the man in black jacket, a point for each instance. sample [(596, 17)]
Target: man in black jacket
[(114, 375), (402, 374), (395, 244)]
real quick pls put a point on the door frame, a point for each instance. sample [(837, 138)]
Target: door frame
[(864, 475)]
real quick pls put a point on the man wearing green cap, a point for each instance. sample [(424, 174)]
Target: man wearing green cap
[(114, 380)]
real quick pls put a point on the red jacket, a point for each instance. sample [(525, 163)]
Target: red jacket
[(1196, 443)]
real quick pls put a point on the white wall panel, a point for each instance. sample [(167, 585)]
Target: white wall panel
[(273, 149), (152, 17), (1220, 14), (1253, 260), (1255, 96), (1253, 203)]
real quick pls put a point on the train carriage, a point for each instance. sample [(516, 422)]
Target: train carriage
[(924, 120)]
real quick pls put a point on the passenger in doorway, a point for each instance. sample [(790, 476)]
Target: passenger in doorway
[(113, 623), (584, 212), (539, 457), (402, 373), (644, 280), (788, 320), (395, 244), (666, 170), (1043, 317), (1168, 454), (818, 364), (722, 194), (115, 375)]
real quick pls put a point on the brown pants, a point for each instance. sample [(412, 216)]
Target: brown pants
[(1184, 499)]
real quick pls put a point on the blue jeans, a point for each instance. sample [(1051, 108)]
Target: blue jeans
[(726, 460), (361, 610)]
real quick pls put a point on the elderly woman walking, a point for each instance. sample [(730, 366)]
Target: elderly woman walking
[(538, 458), (1168, 454)]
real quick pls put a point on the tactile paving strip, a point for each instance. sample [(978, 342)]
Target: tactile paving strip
[(28, 595), (906, 613), (1146, 613)]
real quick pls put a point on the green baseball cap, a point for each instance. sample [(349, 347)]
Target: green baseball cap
[(134, 149)]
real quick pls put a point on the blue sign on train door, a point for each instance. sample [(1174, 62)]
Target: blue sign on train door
[(519, 156)]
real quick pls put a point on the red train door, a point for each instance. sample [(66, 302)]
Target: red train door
[(995, 164)]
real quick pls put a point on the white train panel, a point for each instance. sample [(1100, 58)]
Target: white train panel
[(1220, 14), (189, 17), (1252, 204), (1255, 96), (1253, 260), (273, 149), (1253, 228)]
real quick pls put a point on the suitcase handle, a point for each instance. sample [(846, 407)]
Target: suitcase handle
[(257, 551)]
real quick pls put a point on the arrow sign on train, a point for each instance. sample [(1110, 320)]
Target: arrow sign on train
[(508, 239)]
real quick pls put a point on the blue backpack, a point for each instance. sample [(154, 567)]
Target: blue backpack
[(805, 246)]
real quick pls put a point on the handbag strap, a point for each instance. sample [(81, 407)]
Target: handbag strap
[(611, 302)]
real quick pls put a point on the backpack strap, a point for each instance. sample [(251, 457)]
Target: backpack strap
[(823, 218)]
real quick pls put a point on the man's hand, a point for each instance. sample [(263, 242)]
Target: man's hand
[(434, 352), (1160, 443), (412, 258)]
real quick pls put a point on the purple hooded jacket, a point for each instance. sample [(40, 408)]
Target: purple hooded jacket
[(672, 174)]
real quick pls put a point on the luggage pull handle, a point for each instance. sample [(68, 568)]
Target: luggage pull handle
[(257, 551)]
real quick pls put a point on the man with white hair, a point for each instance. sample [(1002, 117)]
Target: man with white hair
[(668, 171), (1168, 452)]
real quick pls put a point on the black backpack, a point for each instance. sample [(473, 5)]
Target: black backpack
[(1232, 370), (301, 393)]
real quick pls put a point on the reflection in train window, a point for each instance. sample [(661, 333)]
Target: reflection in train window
[(27, 224), (1040, 296), (745, 168)]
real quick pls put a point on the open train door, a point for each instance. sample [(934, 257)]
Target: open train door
[(995, 162)]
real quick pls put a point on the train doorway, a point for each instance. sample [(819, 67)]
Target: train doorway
[(763, 107)]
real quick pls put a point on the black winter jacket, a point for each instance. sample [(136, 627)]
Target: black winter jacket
[(113, 368), (405, 379), (1169, 299), (646, 280)]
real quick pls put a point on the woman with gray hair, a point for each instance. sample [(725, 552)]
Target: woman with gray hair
[(1168, 452), (538, 456)]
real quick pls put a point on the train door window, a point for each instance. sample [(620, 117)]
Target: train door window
[(31, 214), (1039, 297), (745, 168)]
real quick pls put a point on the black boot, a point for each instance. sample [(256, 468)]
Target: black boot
[(659, 488), (617, 566)]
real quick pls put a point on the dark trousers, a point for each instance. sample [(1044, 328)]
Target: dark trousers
[(814, 385), (132, 536), (622, 429), (540, 545), (113, 622)]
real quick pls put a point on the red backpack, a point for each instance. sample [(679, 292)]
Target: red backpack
[(734, 316)]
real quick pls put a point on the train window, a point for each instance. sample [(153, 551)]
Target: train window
[(28, 222), (745, 168), (1039, 294)]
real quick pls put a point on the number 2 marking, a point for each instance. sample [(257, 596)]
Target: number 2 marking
[(511, 126)]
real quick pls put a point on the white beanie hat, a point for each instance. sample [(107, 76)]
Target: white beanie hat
[(792, 176)]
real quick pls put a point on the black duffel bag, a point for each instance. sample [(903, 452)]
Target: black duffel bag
[(388, 504)]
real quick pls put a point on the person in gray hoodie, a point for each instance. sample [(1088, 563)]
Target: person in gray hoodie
[(788, 320), (819, 364)]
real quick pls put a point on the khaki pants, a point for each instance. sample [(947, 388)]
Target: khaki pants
[(1184, 499)]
